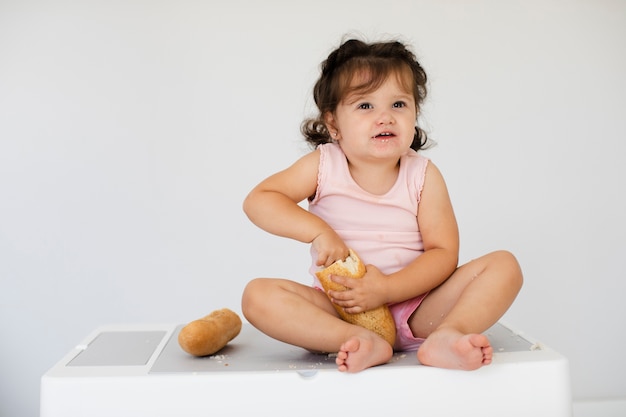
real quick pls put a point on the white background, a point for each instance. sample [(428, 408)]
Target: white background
[(131, 131)]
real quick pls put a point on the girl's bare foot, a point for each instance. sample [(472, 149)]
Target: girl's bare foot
[(359, 353), (451, 349)]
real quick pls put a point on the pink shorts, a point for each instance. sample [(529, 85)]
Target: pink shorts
[(405, 340)]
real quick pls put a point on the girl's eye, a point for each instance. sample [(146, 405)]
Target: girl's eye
[(365, 106), (399, 104)]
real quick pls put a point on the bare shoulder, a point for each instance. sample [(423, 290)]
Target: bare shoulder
[(433, 180), (298, 181), (308, 162), (435, 204), (304, 169)]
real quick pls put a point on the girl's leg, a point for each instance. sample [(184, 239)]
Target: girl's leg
[(453, 315), (304, 316)]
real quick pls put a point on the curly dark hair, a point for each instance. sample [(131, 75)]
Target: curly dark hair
[(379, 60)]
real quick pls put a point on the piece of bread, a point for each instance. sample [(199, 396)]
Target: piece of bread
[(209, 334), (378, 320)]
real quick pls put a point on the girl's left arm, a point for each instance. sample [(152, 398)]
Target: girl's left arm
[(440, 234)]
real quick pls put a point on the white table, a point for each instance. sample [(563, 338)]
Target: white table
[(140, 370)]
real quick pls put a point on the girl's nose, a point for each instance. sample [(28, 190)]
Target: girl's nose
[(385, 118)]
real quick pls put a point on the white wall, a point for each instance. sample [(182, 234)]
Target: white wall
[(130, 132)]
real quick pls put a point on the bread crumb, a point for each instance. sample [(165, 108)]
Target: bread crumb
[(218, 357)]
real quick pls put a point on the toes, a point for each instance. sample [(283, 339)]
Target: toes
[(479, 340)]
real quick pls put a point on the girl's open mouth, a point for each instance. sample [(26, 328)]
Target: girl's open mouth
[(384, 135)]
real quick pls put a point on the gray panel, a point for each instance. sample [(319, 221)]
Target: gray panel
[(253, 351), (119, 348), (504, 340)]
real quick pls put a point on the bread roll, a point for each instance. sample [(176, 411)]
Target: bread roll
[(378, 320), (209, 334)]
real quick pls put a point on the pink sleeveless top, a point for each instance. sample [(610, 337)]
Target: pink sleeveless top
[(382, 229)]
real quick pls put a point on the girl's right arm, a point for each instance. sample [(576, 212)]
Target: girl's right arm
[(273, 206)]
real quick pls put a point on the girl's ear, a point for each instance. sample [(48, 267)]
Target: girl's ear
[(331, 125)]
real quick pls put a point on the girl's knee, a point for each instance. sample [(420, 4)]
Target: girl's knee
[(504, 256), (507, 263), (252, 293)]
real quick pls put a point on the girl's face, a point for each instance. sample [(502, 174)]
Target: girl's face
[(376, 125)]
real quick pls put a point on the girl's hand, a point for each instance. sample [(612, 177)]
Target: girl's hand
[(330, 248), (362, 294)]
